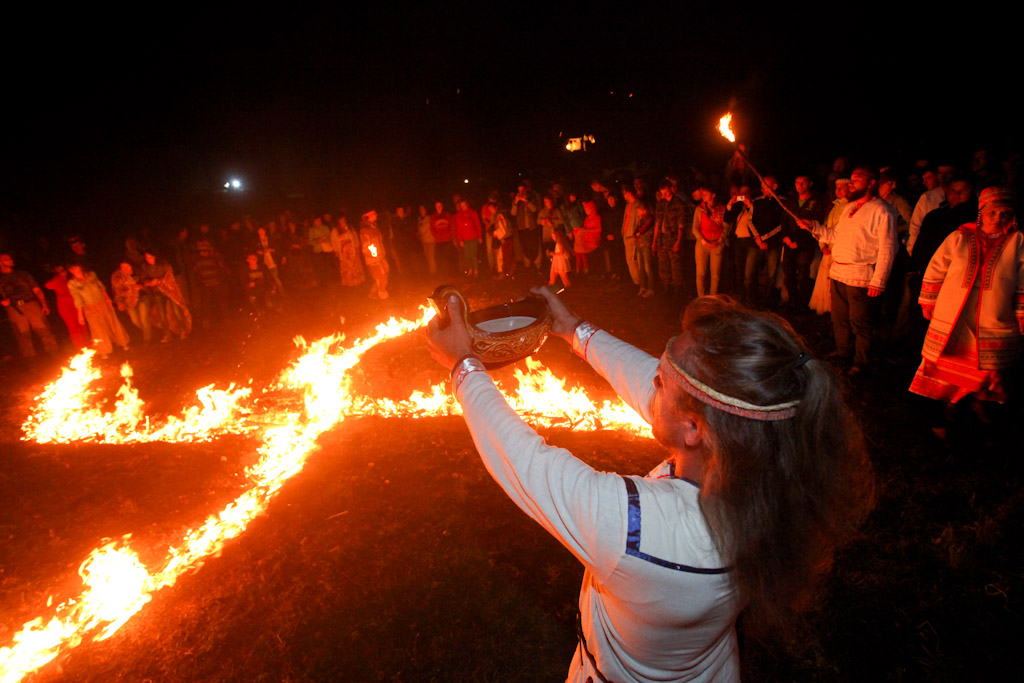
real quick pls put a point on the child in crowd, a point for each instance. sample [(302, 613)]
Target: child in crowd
[(587, 237), (560, 257), (259, 289)]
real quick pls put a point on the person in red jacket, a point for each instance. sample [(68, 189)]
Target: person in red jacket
[(467, 235), (710, 231), (441, 228), (587, 237)]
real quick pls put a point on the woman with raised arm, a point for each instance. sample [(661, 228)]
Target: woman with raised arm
[(767, 476)]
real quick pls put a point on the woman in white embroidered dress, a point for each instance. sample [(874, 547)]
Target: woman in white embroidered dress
[(973, 294), (767, 475)]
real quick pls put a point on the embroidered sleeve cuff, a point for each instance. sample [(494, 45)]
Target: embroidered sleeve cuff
[(929, 293), (463, 368), (581, 338)]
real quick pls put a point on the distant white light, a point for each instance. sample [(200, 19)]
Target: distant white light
[(236, 183), (228, 184), (466, 181)]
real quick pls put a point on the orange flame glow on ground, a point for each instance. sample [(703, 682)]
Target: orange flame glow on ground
[(116, 585), (725, 127)]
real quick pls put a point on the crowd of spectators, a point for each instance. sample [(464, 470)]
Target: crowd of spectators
[(857, 243)]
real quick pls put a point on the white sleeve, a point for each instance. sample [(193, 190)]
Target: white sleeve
[(629, 370), (823, 233), (584, 509), (885, 233), (916, 218)]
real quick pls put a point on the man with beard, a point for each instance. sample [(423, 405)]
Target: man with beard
[(863, 249)]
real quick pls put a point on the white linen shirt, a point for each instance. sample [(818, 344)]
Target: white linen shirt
[(656, 602), (863, 244), (927, 203)]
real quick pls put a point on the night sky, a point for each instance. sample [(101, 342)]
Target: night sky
[(128, 115)]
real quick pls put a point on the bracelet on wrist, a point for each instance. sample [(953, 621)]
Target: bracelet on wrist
[(465, 366), (581, 338)]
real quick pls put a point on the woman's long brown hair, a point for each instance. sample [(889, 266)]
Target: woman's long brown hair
[(779, 497)]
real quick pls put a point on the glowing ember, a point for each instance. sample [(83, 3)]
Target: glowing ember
[(117, 585), (725, 128), (373, 250)]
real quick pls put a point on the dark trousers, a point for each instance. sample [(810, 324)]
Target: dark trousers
[(530, 240), (796, 271), (746, 256), (852, 315)]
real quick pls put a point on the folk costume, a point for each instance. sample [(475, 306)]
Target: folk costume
[(58, 284), (373, 254), (126, 295), (863, 250), (657, 602), (347, 249), (974, 289), (91, 298), (161, 301)]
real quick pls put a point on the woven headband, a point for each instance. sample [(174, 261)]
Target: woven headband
[(735, 406)]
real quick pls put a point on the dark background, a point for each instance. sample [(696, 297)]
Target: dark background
[(123, 117)]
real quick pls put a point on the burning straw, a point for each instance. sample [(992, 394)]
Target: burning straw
[(116, 584)]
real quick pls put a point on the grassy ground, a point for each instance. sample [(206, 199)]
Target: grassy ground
[(392, 556)]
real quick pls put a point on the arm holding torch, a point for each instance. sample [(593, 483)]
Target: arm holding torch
[(726, 130)]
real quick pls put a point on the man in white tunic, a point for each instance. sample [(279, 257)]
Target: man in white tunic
[(864, 247)]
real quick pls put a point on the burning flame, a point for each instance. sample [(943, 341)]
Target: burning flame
[(67, 411), (542, 399), (373, 250), (116, 583), (725, 128)]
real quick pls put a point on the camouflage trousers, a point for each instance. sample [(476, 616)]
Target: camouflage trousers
[(670, 264)]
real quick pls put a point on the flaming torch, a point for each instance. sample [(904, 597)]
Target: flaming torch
[(725, 128)]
